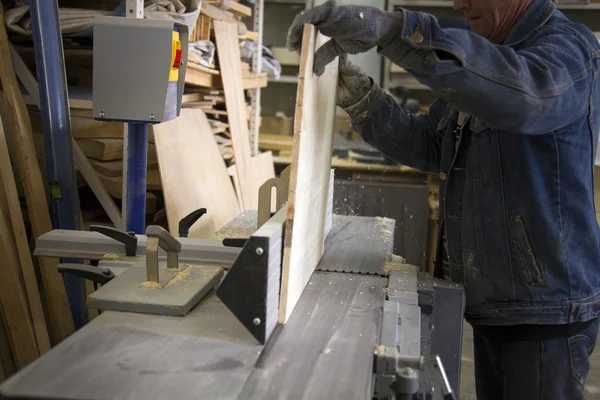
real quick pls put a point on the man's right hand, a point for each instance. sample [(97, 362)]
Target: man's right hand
[(353, 83)]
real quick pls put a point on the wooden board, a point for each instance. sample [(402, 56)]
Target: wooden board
[(109, 149), (114, 184), (12, 300), (60, 320), (264, 169), (306, 226), (115, 168), (231, 70), (9, 199), (194, 174), (285, 57)]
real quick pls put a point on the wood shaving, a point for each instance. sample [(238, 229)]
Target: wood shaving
[(179, 277), (150, 285), (111, 256)]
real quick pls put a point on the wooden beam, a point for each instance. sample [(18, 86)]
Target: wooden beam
[(9, 199), (309, 213), (231, 70), (55, 296), (13, 302)]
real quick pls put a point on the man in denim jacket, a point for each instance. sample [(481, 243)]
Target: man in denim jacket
[(512, 137)]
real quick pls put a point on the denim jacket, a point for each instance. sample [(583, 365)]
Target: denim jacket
[(517, 197)]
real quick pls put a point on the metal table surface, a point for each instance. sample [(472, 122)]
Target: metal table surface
[(324, 351)]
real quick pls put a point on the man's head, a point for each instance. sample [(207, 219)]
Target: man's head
[(492, 18)]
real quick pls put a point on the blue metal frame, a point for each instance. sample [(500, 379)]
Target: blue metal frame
[(135, 196), (56, 118)]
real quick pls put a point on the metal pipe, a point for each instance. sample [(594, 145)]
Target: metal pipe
[(135, 152), (56, 118), (135, 196)]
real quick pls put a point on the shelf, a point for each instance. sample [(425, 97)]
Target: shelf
[(448, 4), (284, 79)]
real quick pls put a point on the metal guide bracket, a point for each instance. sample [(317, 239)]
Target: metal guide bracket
[(250, 290)]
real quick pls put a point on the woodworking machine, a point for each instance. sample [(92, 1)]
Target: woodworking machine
[(187, 318)]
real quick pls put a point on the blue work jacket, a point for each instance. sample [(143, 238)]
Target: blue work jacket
[(517, 195)]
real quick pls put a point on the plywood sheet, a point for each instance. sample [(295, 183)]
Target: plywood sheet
[(193, 174), (306, 226), (231, 71), (264, 169)]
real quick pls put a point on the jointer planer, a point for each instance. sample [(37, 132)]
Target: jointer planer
[(367, 325)]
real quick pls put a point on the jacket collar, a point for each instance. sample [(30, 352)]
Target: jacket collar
[(536, 15)]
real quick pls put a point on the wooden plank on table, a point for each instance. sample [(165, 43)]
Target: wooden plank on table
[(60, 320), (306, 225), (193, 174), (264, 169), (231, 71), (9, 200)]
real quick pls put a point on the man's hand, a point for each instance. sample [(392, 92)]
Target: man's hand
[(352, 30), (353, 83)]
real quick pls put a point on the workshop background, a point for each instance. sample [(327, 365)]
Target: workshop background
[(366, 182)]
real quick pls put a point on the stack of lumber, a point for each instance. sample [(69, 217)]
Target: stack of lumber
[(213, 104)]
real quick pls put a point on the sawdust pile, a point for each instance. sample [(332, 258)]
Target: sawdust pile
[(111, 256), (397, 263), (179, 277), (150, 285)]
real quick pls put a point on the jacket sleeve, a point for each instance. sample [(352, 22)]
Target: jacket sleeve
[(411, 139), (530, 90)]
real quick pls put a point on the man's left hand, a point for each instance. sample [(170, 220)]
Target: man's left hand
[(352, 30)]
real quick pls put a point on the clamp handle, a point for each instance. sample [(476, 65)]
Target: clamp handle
[(101, 275), (127, 238), (159, 237), (186, 222)]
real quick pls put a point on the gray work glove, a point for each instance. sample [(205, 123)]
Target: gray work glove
[(352, 30), (353, 83)]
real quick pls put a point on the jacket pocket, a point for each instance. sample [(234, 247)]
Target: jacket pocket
[(534, 267)]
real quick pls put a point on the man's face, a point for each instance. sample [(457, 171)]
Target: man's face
[(485, 16)]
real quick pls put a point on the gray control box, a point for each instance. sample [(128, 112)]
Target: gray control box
[(139, 69)]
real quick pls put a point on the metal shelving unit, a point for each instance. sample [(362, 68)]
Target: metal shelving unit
[(258, 16)]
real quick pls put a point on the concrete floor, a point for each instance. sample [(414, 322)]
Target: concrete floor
[(467, 378)]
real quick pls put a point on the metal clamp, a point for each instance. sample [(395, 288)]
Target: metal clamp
[(99, 275), (264, 200), (186, 222), (159, 237), (127, 238)]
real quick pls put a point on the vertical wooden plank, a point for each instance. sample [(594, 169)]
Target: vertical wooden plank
[(6, 358), (9, 201), (193, 174), (55, 296), (231, 71), (13, 301), (308, 195)]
